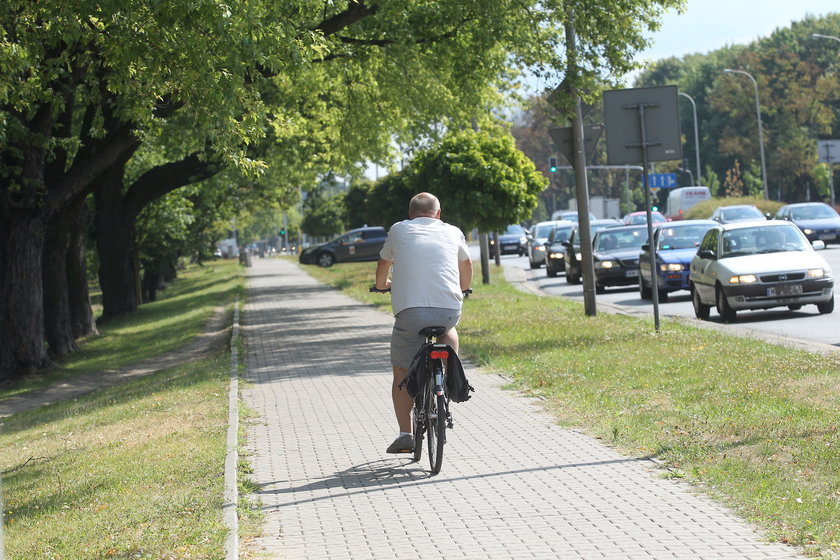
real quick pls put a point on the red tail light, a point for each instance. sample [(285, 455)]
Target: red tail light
[(440, 355)]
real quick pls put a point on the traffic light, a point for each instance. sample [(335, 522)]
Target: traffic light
[(552, 165), (282, 232)]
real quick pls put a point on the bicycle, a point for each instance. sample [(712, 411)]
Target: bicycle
[(430, 415)]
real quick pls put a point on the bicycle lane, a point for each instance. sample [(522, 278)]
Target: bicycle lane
[(513, 483)]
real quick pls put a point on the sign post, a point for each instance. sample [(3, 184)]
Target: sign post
[(829, 152), (643, 125)]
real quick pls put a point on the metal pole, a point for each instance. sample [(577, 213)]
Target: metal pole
[(760, 131), (652, 252), (696, 136)]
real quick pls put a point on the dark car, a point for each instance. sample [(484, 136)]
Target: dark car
[(676, 244), (362, 244), (513, 240), (758, 265), (737, 213), (615, 252), (816, 220), (555, 251), (571, 258)]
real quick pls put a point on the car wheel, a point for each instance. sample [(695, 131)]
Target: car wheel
[(644, 291), (550, 272), (326, 260), (569, 278), (726, 313), (701, 310), (826, 306), (794, 307), (534, 265), (576, 278), (600, 288)]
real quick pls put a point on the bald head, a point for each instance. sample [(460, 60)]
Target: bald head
[(424, 205)]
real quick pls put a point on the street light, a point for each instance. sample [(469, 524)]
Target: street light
[(760, 132), (696, 136), (821, 36)]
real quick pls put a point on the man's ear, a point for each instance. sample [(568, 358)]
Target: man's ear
[(437, 214)]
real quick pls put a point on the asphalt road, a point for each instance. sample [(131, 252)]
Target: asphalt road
[(806, 324)]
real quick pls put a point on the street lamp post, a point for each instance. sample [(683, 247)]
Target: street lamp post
[(696, 135), (760, 132), (830, 175)]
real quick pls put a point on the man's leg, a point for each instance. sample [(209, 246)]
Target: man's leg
[(402, 401), (450, 338)]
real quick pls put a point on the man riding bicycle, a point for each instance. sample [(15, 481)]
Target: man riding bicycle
[(431, 268)]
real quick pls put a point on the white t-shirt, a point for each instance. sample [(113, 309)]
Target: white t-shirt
[(425, 252)]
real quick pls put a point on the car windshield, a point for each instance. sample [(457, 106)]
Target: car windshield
[(635, 219), (813, 213), (543, 231), (560, 235), (683, 237), (742, 213), (763, 239), (620, 240)]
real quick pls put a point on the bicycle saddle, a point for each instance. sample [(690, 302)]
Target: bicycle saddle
[(433, 331)]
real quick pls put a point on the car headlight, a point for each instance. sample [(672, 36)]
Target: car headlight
[(671, 267), (577, 256), (539, 247), (606, 264), (817, 273), (807, 231), (743, 279)]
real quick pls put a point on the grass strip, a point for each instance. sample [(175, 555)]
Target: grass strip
[(756, 426), (134, 471), (179, 315)]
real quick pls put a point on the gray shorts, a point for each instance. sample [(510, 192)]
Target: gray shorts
[(406, 339)]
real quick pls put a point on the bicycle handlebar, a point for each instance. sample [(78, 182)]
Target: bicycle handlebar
[(373, 289)]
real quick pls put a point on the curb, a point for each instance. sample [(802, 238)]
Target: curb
[(231, 497)]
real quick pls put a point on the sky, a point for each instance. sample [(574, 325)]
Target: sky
[(707, 25)]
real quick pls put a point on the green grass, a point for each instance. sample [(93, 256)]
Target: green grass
[(134, 471), (181, 312), (755, 425)]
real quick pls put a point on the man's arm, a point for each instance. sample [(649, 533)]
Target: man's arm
[(465, 274), (383, 267)]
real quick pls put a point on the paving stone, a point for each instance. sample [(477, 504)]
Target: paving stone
[(513, 484)]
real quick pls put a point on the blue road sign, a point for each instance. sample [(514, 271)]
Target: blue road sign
[(662, 180)]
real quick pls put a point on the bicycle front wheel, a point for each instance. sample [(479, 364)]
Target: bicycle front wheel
[(436, 429)]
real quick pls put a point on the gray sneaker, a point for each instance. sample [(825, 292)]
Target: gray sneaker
[(403, 444)]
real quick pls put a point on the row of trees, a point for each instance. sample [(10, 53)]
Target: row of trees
[(124, 101), (798, 79), (483, 181)]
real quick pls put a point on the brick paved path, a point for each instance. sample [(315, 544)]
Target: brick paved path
[(513, 484)]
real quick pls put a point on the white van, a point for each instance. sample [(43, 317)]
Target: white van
[(680, 200)]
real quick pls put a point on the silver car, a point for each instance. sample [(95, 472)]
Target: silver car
[(758, 265), (537, 240)]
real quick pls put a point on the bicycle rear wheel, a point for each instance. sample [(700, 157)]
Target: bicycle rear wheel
[(435, 428)]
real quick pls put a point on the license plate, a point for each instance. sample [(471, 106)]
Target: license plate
[(631, 273), (510, 247), (782, 291), (828, 236)]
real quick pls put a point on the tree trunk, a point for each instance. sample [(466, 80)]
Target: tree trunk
[(82, 322), (57, 330), (114, 240), (22, 344)]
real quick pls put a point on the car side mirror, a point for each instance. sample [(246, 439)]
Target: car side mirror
[(566, 244), (645, 247), (768, 216), (706, 254), (818, 244)]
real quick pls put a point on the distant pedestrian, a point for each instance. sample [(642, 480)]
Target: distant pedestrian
[(430, 269)]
